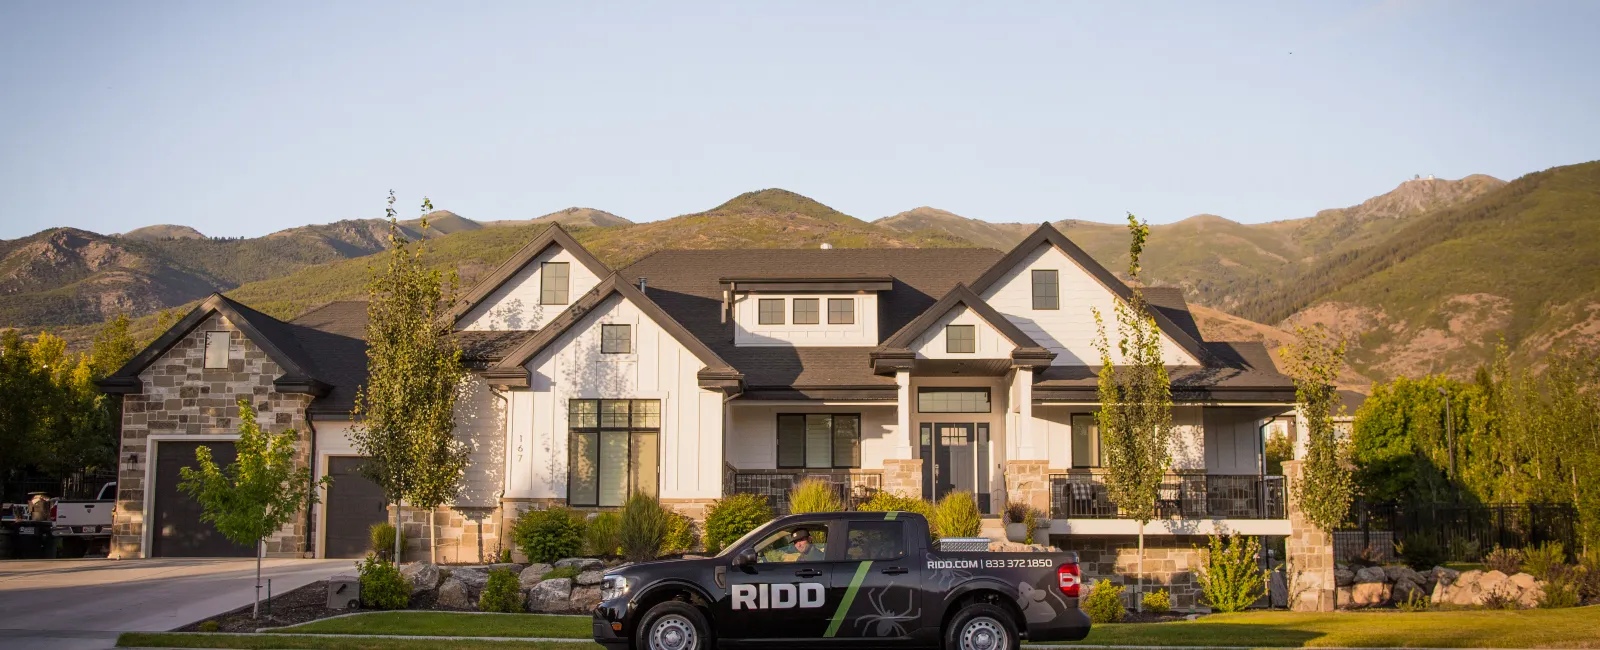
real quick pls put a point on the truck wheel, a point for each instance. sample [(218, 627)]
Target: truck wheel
[(981, 626), (673, 625)]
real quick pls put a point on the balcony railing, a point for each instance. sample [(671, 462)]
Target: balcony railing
[(854, 487), (1084, 496)]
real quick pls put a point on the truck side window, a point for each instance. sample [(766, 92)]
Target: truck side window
[(876, 540), (799, 543)]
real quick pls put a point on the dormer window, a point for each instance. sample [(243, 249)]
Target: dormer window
[(770, 311), (841, 311), (1046, 289), (554, 282), (961, 339), (806, 311)]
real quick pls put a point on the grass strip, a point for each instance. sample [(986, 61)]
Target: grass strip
[(449, 624), (1535, 628), (293, 642)]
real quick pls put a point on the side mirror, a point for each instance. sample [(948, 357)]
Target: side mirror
[(745, 558)]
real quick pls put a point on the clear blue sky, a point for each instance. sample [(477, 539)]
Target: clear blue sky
[(242, 120)]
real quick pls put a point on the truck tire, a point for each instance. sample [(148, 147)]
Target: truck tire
[(981, 626), (673, 625)]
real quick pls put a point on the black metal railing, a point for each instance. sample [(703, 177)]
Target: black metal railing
[(854, 487), (1084, 496), (1456, 532)]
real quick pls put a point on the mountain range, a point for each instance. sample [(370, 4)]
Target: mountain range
[(1425, 278)]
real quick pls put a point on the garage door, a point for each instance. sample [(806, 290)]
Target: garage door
[(178, 530), (355, 503)]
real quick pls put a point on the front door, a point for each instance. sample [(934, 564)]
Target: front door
[(955, 456), (784, 595)]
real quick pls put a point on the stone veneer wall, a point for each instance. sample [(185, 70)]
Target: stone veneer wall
[(466, 535), (1028, 481), (1170, 562), (181, 397), (903, 476), (1308, 550)]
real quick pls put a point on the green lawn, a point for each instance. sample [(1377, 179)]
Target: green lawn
[(450, 624), (291, 642), (1546, 628)]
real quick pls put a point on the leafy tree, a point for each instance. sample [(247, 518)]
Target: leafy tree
[(1135, 416), (1324, 490), (258, 493), (405, 413)]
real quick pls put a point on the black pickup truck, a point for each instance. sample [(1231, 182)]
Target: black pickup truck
[(845, 579)]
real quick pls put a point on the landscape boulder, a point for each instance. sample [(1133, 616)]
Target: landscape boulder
[(590, 578), (583, 599), (423, 576), (582, 563), (1369, 594), (509, 566), (1405, 590), (1444, 575), (453, 594), (1400, 572), (550, 595), (533, 574), (1344, 577), (1371, 574)]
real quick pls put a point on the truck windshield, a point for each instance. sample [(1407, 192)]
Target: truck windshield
[(728, 550)]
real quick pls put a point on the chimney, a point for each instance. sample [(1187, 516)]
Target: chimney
[(641, 284)]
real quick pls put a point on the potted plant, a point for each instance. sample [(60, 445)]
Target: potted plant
[(1023, 522)]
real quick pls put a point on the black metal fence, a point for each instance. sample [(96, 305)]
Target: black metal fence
[(1247, 496), (1458, 533), (77, 485), (853, 488)]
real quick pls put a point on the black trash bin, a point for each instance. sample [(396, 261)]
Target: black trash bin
[(33, 540)]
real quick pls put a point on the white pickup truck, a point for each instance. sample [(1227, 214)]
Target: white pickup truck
[(83, 526)]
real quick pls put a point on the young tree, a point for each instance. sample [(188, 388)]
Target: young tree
[(1324, 490), (1135, 416), (258, 493), (404, 413)]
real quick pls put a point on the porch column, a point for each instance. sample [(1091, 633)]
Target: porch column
[(1027, 448), (902, 472), (1309, 550)]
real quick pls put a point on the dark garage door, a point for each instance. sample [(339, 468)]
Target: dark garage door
[(178, 530), (355, 503)]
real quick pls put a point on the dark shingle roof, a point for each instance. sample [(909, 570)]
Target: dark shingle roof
[(1243, 368), (685, 283)]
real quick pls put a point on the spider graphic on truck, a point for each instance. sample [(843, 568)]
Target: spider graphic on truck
[(845, 579)]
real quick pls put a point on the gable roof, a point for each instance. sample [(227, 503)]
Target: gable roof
[(512, 371), (555, 235), (1187, 339), (273, 336), (898, 345)]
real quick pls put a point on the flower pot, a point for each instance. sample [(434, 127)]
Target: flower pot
[(1016, 532)]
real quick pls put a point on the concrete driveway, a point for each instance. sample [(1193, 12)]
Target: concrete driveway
[(85, 604)]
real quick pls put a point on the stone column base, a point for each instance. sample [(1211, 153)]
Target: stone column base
[(1028, 481), (903, 476)]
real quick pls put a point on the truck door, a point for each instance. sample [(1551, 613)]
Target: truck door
[(878, 588), (784, 594)]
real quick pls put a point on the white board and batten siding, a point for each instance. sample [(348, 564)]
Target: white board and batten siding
[(749, 332), (753, 442), (573, 367), (989, 343), (1070, 330), (514, 305)]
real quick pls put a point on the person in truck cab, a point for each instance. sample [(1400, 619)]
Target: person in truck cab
[(802, 549)]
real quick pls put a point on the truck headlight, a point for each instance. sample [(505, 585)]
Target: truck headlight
[(613, 586)]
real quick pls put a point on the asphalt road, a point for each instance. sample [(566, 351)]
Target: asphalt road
[(85, 604)]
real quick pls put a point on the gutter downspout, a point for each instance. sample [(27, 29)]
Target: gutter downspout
[(311, 494), (500, 498)]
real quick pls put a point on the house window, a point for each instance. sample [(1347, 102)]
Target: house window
[(841, 311), (805, 311), (819, 440), (553, 283), (612, 450), (1085, 441), (616, 339), (1046, 290), (952, 400), (216, 350), (769, 311), (960, 338)]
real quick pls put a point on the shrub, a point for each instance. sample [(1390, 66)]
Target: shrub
[(1416, 602), (1104, 603), (568, 571), (681, 534), (382, 586), (504, 556), (1587, 573), (1500, 599), (1420, 552), (548, 535), (381, 538), (883, 501), (1016, 512), (957, 515), (733, 516), (1229, 578), (644, 528), (1465, 550), (1158, 602), (1031, 522), (210, 626), (502, 593), (1561, 587), (814, 495), (1544, 560), (1504, 560), (603, 537)]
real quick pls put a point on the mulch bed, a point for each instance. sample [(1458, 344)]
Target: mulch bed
[(303, 605)]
